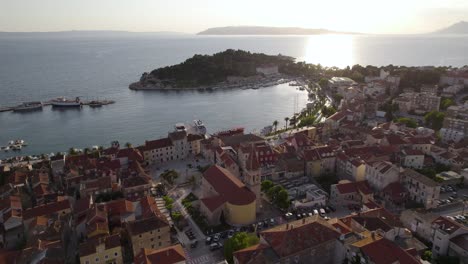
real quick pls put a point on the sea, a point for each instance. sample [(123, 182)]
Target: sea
[(41, 67)]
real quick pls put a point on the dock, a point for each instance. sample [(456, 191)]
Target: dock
[(49, 103)]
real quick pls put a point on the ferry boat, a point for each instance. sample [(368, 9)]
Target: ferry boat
[(64, 102), (28, 106)]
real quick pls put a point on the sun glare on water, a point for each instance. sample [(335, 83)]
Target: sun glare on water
[(329, 50)]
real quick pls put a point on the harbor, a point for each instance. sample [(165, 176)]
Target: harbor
[(57, 102)]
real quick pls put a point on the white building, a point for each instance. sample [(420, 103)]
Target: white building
[(381, 173), (421, 188)]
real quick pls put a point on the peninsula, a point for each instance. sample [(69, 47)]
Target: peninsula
[(227, 69), (256, 30)]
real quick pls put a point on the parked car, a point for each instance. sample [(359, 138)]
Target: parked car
[(194, 244), (215, 246), (322, 212), (230, 233), (288, 216), (216, 237), (272, 221), (208, 240), (316, 212)]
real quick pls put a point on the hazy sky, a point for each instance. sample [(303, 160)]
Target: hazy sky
[(369, 16)]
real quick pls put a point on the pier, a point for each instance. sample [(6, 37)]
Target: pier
[(90, 103)]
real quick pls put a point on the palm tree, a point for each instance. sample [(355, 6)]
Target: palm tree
[(286, 119), (87, 151), (275, 124), (128, 145)]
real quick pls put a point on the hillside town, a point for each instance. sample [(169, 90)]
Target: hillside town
[(381, 179)]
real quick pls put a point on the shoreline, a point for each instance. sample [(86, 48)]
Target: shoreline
[(265, 82)]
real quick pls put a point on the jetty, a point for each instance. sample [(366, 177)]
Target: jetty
[(90, 103)]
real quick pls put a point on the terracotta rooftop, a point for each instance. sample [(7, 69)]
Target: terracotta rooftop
[(229, 187), (235, 141), (145, 225), (461, 241), (288, 239), (46, 209), (354, 187), (157, 144), (419, 177), (393, 253), (447, 225), (168, 255)]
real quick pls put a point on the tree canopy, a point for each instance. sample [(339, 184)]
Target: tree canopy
[(237, 242), (434, 120), (211, 69)]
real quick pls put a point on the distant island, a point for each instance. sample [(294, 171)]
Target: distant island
[(255, 30), (457, 28), (227, 69), (85, 33)]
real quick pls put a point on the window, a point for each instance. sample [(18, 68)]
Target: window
[(152, 239), (116, 254), (97, 260), (159, 243), (106, 257)]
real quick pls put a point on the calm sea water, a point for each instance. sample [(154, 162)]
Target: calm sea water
[(102, 67)]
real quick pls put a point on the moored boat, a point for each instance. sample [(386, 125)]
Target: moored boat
[(64, 102), (28, 106)]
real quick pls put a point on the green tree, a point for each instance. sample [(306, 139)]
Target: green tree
[(169, 176), (282, 199), (286, 120), (237, 242), (275, 124), (434, 120), (267, 185), (409, 122), (445, 103), (427, 255), (176, 217), (328, 111), (323, 83)]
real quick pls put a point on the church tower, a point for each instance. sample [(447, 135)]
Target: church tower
[(252, 177)]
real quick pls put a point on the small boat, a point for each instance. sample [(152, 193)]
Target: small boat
[(16, 147), (5, 148), (199, 127), (19, 142), (95, 104), (64, 102), (28, 106), (230, 132)]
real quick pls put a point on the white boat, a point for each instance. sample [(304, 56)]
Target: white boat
[(6, 148), (199, 127), (16, 147), (64, 102)]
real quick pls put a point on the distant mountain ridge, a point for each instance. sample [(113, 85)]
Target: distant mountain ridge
[(457, 28), (85, 33), (257, 30)]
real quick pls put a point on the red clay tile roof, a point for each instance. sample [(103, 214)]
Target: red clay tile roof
[(461, 241), (299, 236), (446, 224), (134, 181), (168, 255), (246, 254), (132, 154), (354, 187), (393, 253), (145, 225), (396, 191), (228, 186), (213, 202), (46, 209), (372, 223)]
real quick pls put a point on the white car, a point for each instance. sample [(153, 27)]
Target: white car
[(316, 212)]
